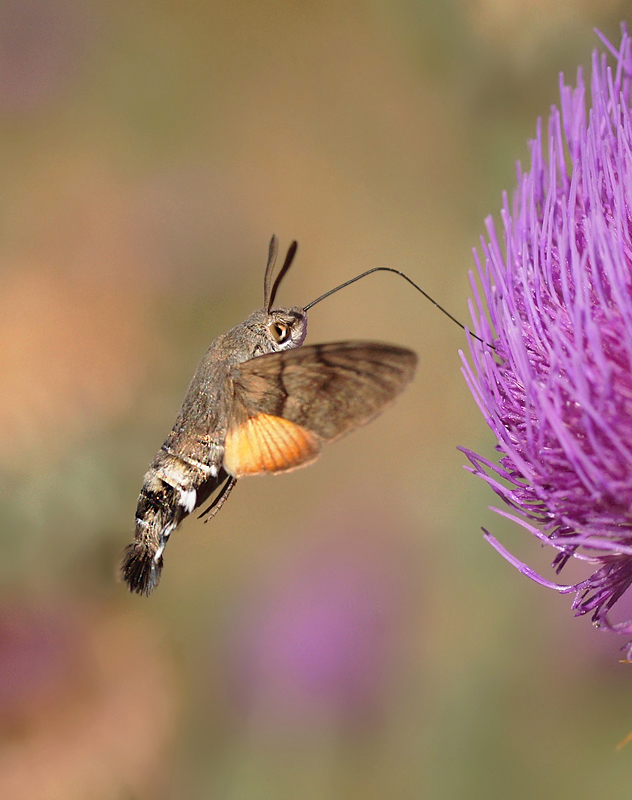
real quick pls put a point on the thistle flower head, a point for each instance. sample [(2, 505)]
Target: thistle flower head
[(557, 304)]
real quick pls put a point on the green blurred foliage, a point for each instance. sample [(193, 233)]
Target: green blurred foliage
[(148, 151)]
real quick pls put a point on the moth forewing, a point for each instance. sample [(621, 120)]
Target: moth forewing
[(326, 389)]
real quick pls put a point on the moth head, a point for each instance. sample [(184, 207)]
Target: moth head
[(285, 328)]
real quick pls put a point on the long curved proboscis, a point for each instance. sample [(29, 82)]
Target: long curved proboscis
[(412, 283)]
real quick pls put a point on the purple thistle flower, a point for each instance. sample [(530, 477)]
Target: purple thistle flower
[(557, 389)]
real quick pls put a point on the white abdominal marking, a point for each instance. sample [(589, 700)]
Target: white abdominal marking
[(187, 499), (165, 535)]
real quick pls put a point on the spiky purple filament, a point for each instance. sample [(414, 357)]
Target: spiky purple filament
[(557, 304)]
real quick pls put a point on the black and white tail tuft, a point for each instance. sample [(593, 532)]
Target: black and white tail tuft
[(141, 569)]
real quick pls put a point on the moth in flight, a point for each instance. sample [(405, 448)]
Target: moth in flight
[(260, 402)]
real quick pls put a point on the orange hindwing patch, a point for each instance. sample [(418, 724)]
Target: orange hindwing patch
[(268, 444)]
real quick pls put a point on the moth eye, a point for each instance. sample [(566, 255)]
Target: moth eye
[(279, 331)]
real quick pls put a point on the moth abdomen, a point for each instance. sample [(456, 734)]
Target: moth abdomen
[(170, 492), (158, 513)]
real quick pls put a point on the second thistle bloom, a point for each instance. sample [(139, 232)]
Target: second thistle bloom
[(557, 305)]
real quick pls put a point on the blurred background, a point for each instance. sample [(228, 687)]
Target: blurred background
[(342, 631)]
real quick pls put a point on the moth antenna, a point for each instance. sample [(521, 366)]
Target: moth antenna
[(412, 283), (272, 255), (286, 265)]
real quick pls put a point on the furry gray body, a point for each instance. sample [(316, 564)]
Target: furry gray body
[(188, 467)]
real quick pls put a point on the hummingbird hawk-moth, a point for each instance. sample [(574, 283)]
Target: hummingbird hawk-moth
[(259, 402)]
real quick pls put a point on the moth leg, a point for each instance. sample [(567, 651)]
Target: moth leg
[(220, 498)]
